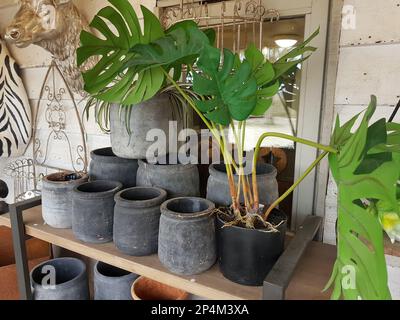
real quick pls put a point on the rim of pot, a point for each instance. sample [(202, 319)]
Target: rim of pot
[(124, 274), (167, 208), (52, 178), (182, 293), (111, 187), (126, 198), (81, 274), (107, 155), (263, 170), (259, 230), (144, 163)]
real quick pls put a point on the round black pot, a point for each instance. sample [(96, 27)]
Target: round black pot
[(71, 282), (93, 211), (179, 180), (218, 187), (137, 220), (111, 283), (247, 255), (187, 235), (105, 165)]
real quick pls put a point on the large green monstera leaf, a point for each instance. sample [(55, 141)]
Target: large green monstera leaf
[(231, 92), (109, 80), (182, 45), (367, 172)]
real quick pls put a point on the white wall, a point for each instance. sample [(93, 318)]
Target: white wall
[(34, 62)]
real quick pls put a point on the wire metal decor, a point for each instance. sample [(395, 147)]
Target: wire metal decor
[(55, 115), (242, 15)]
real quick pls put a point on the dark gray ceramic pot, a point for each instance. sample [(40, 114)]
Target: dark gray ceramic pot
[(137, 219), (218, 187), (178, 180), (60, 279), (93, 211), (111, 283), (155, 113), (246, 256), (187, 243), (57, 197), (105, 165)]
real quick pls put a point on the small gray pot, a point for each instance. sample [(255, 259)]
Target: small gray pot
[(218, 187), (155, 113), (137, 220), (57, 197), (105, 165), (112, 283), (187, 244), (60, 279), (93, 211), (179, 180)]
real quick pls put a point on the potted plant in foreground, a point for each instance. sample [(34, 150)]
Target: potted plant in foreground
[(223, 96)]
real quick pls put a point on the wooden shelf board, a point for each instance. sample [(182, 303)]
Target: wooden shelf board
[(310, 276)]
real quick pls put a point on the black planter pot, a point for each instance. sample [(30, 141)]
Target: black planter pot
[(71, 282), (187, 235), (179, 180), (93, 211), (137, 220), (105, 165), (247, 255), (111, 283)]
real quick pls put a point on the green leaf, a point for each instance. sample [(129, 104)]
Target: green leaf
[(233, 91), (182, 45), (109, 80)]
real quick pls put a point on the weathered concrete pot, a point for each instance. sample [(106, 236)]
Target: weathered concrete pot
[(69, 276), (179, 180), (57, 197), (137, 220), (218, 188), (148, 289), (151, 114), (105, 165), (111, 283), (93, 211), (186, 244)]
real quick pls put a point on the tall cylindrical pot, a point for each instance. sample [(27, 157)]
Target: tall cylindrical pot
[(105, 165), (246, 256), (218, 187), (57, 197), (179, 180), (137, 219), (93, 211), (147, 289), (155, 113), (112, 283), (187, 244), (60, 279)]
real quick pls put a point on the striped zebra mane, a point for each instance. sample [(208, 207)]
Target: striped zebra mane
[(15, 111)]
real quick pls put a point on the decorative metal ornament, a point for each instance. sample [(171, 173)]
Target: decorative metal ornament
[(51, 105), (54, 25), (15, 111)]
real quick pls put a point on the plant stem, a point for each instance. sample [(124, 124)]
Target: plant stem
[(294, 186), (283, 136)]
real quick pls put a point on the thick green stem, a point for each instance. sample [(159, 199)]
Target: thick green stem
[(294, 186), (283, 136)]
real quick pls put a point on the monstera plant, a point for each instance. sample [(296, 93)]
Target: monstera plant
[(365, 162)]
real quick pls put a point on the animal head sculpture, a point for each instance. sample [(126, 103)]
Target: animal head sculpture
[(54, 25)]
